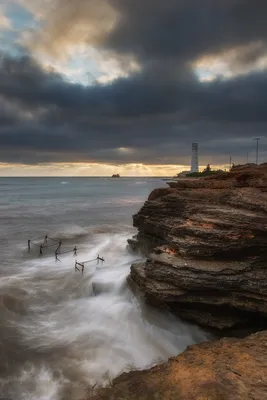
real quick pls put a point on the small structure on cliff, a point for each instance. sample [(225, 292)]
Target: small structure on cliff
[(206, 172), (194, 157)]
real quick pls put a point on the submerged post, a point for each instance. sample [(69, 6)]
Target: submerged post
[(58, 247), (100, 259), (29, 245), (41, 250), (56, 255)]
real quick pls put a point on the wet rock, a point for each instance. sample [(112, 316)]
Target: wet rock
[(206, 240)]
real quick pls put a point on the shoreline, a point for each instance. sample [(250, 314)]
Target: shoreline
[(226, 369), (205, 241)]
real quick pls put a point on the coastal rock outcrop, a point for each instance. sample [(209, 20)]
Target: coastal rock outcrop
[(206, 243), (227, 369)]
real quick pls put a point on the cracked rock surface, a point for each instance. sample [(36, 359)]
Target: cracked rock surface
[(206, 243)]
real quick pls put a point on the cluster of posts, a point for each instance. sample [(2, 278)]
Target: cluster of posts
[(81, 264), (48, 242)]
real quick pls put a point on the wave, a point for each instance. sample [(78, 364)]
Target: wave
[(75, 330), (75, 231), (69, 232), (12, 302)]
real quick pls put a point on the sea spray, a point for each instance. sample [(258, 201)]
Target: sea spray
[(79, 329), (62, 331)]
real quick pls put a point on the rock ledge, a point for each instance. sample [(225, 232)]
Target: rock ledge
[(227, 369), (206, 242)]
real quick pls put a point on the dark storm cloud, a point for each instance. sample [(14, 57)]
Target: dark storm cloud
[(22, 80), (75, 121), (241, 99), (153, 29), (186, 29), (157, 111)]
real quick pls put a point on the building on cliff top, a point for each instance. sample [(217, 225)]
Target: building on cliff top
[(194, 157)]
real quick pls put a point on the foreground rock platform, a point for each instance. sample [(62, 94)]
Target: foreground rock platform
[(206, 243), (227, 369)]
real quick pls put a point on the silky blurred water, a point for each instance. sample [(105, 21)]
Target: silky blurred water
[(61, 331)]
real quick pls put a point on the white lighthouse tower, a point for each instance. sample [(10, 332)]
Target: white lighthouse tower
[(194, 158)]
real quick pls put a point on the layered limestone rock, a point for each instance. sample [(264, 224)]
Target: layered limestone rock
[(206, 242), (228, 369)]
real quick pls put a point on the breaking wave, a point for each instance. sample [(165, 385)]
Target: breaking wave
[(64, 331)]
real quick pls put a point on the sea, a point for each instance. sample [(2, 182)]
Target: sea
[(63, 331)]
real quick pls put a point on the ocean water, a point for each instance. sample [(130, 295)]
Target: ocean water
[(61, 331)]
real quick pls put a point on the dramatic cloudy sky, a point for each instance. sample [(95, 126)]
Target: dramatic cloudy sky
[(92, 87)]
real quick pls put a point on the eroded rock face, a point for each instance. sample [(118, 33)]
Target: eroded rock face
[(206, 242), (228, 369)]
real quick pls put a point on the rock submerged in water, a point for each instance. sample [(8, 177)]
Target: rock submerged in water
[(206, 242), (227, 369)]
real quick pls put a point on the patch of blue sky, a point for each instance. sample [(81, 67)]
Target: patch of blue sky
[(81, 66), (21, 20), (20, 17), (87, 70), (8, 40), (204, 74)]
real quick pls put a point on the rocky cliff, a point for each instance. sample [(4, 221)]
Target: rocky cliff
[(228, 369), (206, 243)]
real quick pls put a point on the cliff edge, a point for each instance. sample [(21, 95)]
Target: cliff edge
[(227, 369), (206, 242)]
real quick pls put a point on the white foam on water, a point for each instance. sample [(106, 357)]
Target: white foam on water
[(69, 232), (81, 329)]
